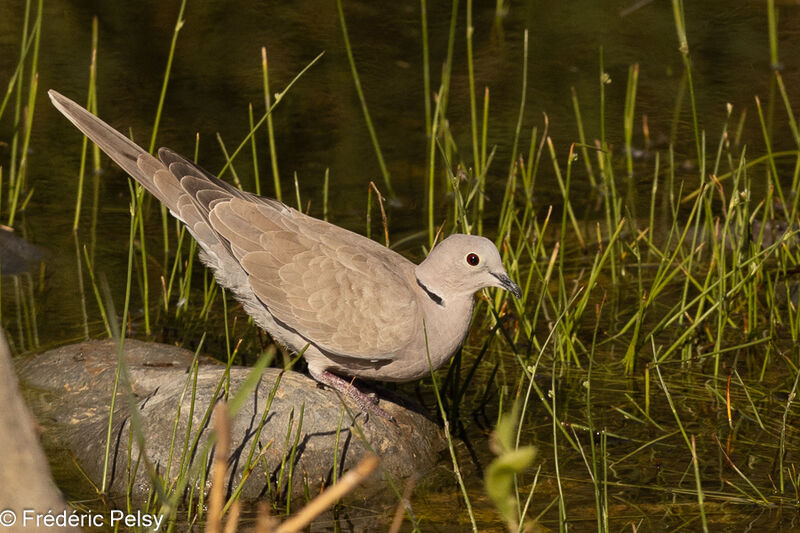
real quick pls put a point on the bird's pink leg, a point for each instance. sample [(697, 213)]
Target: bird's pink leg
[(366, 403)]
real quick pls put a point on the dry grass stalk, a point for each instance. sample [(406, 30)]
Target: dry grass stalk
[(216, 496), (327, 499)]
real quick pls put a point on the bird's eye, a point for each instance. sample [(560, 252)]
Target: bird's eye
[(473, 259)]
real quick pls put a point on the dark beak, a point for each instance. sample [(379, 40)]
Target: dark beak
[(507, 284)]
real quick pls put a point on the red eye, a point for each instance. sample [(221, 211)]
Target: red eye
[(473, 259)]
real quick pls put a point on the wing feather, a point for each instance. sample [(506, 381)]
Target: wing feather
[(345, 293)]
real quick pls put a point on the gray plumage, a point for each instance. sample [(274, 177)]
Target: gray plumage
[(357, 308)]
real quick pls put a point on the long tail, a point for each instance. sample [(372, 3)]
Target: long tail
[(188, 191), (131, 157)]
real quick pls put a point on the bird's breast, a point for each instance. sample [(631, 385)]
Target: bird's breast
[(446, 327)]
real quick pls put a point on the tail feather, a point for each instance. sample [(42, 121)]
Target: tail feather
[(131, 157)]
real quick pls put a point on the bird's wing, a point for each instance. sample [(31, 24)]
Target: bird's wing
[(337, 289), (341, 291)]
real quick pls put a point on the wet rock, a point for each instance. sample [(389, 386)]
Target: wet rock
[(25, 481), (78, 382), (772, 231), (16, 254)]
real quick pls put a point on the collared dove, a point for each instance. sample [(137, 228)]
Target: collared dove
[(353, 307)]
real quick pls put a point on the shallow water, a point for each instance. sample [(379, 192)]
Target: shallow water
[(319, 125)]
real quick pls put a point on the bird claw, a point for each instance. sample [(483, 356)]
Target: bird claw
[(372, 397), (373, 407)]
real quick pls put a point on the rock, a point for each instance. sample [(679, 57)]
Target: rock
[(25, 481), (772, 231), (16, 254), (80, 379)]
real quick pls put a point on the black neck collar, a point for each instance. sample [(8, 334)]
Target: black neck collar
[(432, 295)]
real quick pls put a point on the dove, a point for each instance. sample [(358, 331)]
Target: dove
[(351, 306)]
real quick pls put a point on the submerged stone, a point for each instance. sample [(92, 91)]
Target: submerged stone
[(16, 254), (305, 432)]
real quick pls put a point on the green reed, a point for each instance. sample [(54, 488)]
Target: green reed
[(357, 81), (273, 155), (91, 105)]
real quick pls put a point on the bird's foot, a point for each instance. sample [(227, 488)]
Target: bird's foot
[(372, 398), (368, 403)]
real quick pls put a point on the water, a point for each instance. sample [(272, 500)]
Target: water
[(319, 125)]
